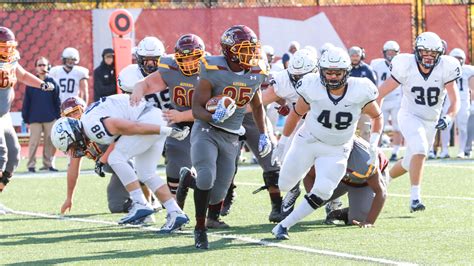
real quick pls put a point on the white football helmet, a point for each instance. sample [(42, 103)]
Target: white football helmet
[(459, 54), (67, 134), (390, 46), (128, 77), (269, 53), (334, 58), (312, 49), (325, 47), (428, 41), (302, 62), (150, 48), (70, 53)]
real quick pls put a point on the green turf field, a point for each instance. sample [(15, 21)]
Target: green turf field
[(443, 234)]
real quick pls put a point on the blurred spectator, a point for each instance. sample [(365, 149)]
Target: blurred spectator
[(359, 67), (40, 111), (294, 46), (105, 83)]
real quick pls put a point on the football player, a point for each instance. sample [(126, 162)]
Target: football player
[(365, 186), (392, 101), (117, 196), (10, 72), (465, 85), (425, 77), (71, 78), (333, 103), (138, 132), (180, 74), (215, 136)]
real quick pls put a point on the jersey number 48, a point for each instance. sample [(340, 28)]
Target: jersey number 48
[(343, 120)]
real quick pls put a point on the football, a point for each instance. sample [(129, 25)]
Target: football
[(211, 105)]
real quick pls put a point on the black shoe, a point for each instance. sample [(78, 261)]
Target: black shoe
[(229, 200), (338, 215), (275, 215), (216, 224), (416, 206), (186, 180), (200, 239), (52, 169), (32, 170)]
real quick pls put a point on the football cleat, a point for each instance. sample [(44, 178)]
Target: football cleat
[(137, 212), (280, 232), (186, 178), (444, 155), (275, 214), (431, 155), (289, 201), (460, 155), (216, 224), (150, 219), (416, 205), (228, 201), (174, 221), (337, 215), (200, 239), (333, 205)]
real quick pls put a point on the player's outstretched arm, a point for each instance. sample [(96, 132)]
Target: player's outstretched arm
[(150, 84), (201, 95), (453, 94), (72, 176), (388, 86), (173, 116), (299, 110), (378, 186), (27, 78)]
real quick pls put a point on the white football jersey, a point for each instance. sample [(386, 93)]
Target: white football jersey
[(130, 75), (333, 119), (463, 83), (382, 70), (423, 94), (117, 106), (283, 86), (68, 81)]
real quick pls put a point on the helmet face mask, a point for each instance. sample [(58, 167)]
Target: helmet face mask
[(67, 136), (428, 49), (334, 67), (8, 45), (189, 50), (240, 45), (148, 53)]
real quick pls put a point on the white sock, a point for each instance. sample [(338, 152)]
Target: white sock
[(303, 210), (395, 149), (138, 196), (171, 206), (415, 192)]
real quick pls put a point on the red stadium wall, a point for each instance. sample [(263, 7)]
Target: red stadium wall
[(450, 22), (47, 33)]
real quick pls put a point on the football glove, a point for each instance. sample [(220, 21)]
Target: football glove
[(264, 145), (279, 151), (5, 179), (99, 168), (222, 112), (443, 122), (178, 133), (47, 86)]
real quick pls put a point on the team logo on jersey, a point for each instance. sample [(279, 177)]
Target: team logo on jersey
[(253, 77)]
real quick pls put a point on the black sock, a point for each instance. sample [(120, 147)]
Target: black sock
[(215, 210), (201, 201)]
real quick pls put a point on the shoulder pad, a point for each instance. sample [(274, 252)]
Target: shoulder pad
[(451, 68), (214, 62), (361, 90), (377, 61), (83, 70), (165, 62), (308, 87)]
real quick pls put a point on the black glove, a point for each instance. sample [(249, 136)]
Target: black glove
[(99, 168), (5, 178)]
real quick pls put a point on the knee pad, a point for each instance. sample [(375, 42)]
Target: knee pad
[(154, 183), (173, 188), (205, 179), (314, 201), (271, 178)]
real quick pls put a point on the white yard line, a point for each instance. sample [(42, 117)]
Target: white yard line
[(390, 194), (223, 236)]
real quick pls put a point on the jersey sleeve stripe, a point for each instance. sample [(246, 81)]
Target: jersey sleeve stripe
[(163, 65), (105, 128), (451, 80), (367, 103), (395, 79)]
